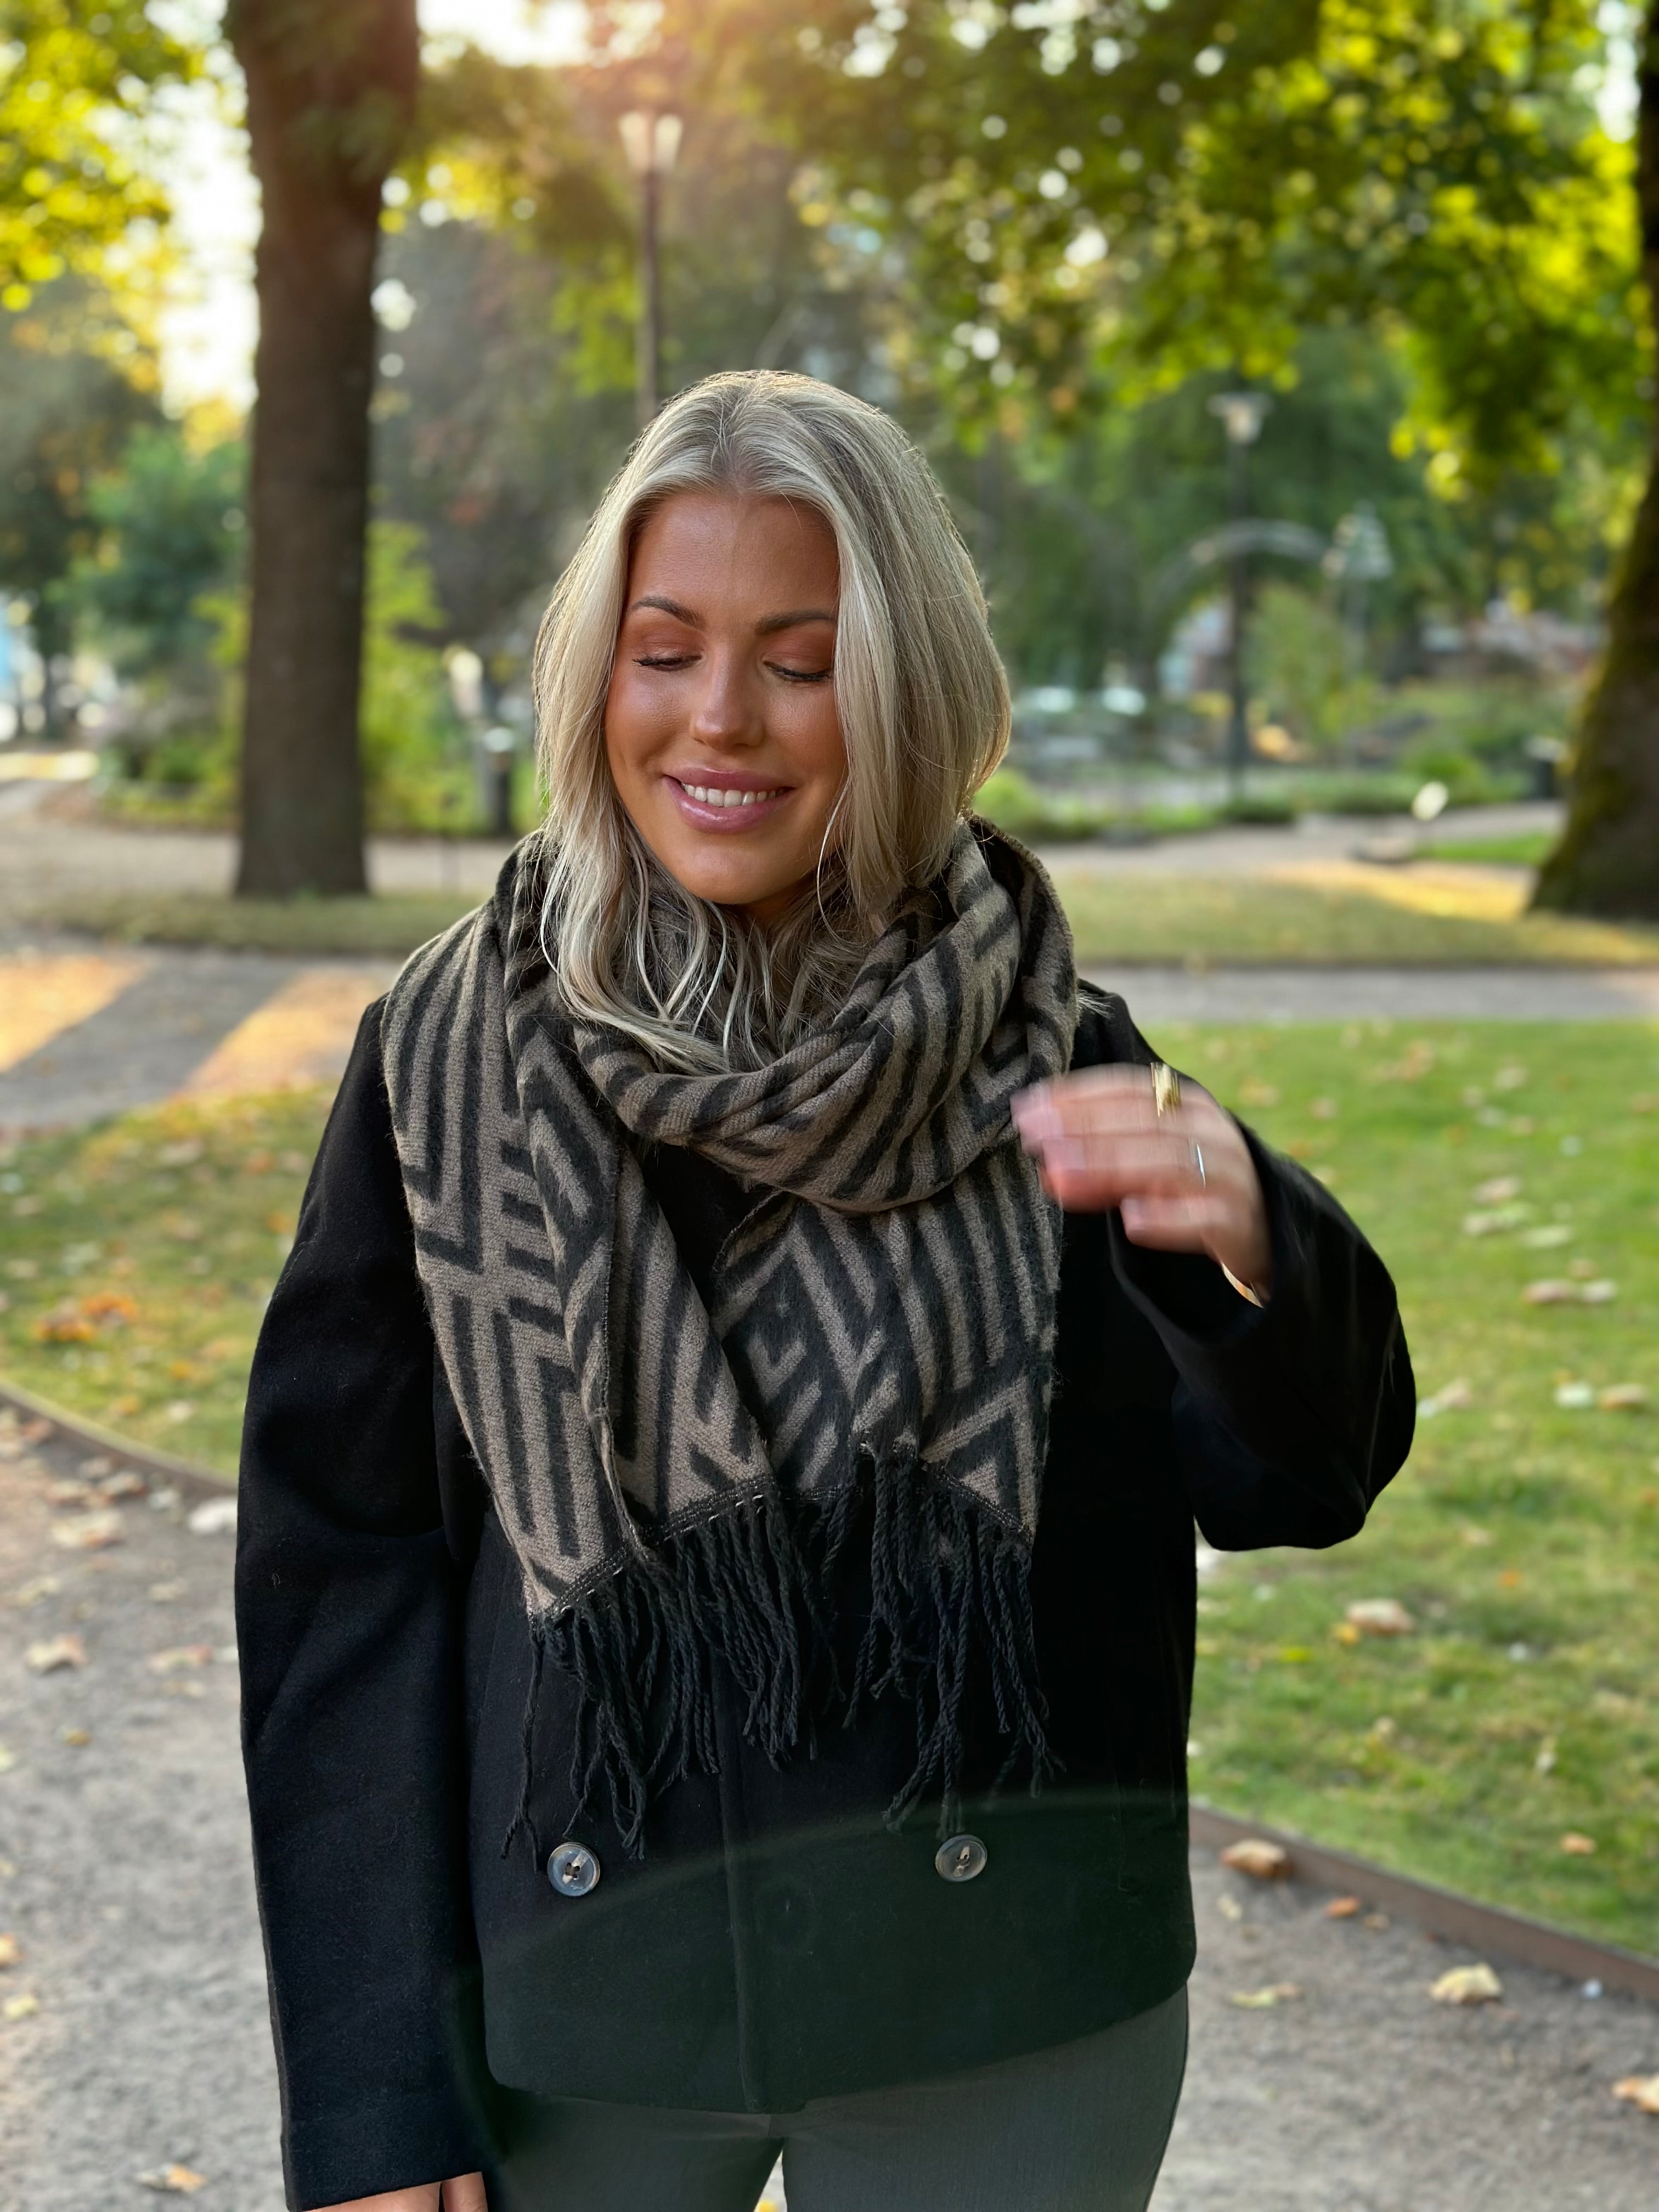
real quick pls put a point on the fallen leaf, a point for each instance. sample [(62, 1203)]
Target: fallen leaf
[(179, 1409), (125, 1482), (1577, 1846), (10, 1950), (1575, 1397), (179, 1655), (1376, 1922), (19, 2007), (216, 1518), (69, 1489), (42, 1586), (1547, 1235), (1229, 1907), (55, 1652), (166, 1593), (1323, 1109), (1511, 1578), (67, 1325), (1472, 1536), (87, 1531), (1255, 1855), (1491, 1222), (1380, 1616), (1342, 1908), (1640, 2090), (1582, 1271), (1622, 1397), (123, 1408), (1346, 1633), (1262, 2000), (1550, 1292), (1452, 1398), (1498, 1191), (1601, 1293), (8, 1760), (280, 1224), (1510, 1076), (109, 1305), (1258, 1094), (174, 2180), (1544, 1762), (77, 1738), (1467, 1985)]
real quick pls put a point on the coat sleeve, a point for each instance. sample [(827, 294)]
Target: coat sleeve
[(1289, 1418), (349, 1626)]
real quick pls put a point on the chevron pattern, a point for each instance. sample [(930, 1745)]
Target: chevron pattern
[(890, 1298)]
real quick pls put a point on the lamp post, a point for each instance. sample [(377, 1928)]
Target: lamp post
[(651, 141), (1242, 413)]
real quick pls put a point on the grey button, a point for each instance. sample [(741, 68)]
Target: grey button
[(959, 1858), (572, 1869)]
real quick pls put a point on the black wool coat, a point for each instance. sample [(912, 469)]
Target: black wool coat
[(776, 1942)]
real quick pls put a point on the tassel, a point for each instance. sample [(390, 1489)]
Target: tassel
[(949, 1593)]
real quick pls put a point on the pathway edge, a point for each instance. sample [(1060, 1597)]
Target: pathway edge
[(93, 1432), (1441, 1912)]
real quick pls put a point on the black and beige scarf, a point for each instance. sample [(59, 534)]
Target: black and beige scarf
[(677, 1479)]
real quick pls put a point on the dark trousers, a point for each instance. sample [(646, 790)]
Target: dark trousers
[(1081, 2127)]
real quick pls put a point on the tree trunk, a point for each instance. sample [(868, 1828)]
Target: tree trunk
[(331, 86), (1608, 860)]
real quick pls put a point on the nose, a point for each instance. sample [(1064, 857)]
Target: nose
[(726, 712)]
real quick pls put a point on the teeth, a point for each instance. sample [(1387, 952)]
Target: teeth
[(706, 795)]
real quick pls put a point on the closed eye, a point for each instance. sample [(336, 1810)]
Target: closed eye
[(801, 675)]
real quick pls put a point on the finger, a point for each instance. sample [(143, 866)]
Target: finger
[(1171, 1224), (1150, 1163), (1063, 1109), (464, 2193)]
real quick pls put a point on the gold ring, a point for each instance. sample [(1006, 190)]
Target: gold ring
[(1166, 1089)]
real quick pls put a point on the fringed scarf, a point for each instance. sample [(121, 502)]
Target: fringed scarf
[(677, 1479)]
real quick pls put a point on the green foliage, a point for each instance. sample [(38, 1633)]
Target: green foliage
[(1015, 804), (1081, 202), (416, 774), (75, 80), (1298, 654), (66, 413), (171, 521)]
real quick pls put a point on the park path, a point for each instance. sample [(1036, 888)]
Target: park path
[(88, 1031), (133, 2031)]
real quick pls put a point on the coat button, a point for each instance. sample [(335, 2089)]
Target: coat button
[(572, 1869), (959, 1858)]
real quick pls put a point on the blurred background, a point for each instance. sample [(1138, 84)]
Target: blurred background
[(1289, 367)]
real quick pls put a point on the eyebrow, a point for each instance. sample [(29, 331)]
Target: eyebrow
[(772, 623)]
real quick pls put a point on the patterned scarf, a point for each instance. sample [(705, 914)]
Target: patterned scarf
[(677, 1480)]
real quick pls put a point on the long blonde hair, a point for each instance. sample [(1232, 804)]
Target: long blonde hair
[(921, 693)]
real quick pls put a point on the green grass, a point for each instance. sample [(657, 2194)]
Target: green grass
[(1522, 1536), (1214, 921), (1517, 1522), (389, 925), (138, 1256), (1223, 921), (1529, 850)]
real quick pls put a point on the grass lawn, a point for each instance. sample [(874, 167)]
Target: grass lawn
[(1224, 921), (1529, 849), (1523, 1534), (1522, 1538), (1115, 917), (135, 1259)]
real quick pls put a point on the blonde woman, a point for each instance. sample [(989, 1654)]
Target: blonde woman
[(716, 1579)]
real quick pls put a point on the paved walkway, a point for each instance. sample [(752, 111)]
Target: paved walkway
[(133, 2028), (86, 1033)]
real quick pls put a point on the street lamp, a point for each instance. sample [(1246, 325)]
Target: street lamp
[(651, 141), (1242, 415)]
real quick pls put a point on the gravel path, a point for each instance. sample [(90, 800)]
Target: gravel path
[(124, 1874)]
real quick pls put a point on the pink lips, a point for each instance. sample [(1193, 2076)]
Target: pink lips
[(702, 799)]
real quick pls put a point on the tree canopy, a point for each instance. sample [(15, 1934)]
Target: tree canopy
[(77, 82)]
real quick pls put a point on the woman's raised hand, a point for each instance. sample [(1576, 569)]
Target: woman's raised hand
[(1183, 1179), (463, 2192)]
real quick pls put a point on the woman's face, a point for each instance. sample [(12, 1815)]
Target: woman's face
[(721, 726)]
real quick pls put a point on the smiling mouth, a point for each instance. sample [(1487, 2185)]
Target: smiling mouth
[(708, 795)]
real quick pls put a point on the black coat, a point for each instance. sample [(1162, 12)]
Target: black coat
[(776, 1942)]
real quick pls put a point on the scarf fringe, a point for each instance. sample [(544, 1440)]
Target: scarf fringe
[(950, 1593)]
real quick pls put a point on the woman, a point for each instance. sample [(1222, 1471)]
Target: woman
[(716, 1578)]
